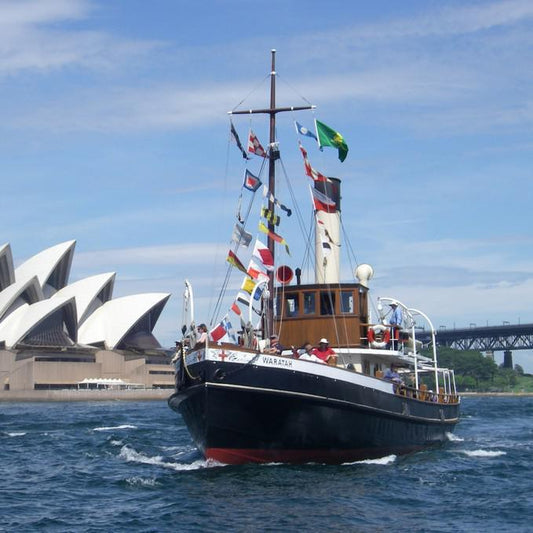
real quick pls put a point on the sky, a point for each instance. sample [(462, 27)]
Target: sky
[(114, 132)]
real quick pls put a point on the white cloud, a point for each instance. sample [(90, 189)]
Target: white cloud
[(32, 39), (131, 109), (448, 20), (21, 13), (447, 88), (172, 254)]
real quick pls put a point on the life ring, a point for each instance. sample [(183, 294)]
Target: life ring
[(378, 329)]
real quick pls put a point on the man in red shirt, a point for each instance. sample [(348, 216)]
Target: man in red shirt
[(325, 353)]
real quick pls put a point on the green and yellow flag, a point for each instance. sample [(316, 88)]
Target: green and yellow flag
[(330, 137)]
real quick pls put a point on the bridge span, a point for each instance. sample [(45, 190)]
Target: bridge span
[(486, 339)]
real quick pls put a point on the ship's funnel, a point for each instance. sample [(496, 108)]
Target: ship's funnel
[(364, 273), (327, 200)]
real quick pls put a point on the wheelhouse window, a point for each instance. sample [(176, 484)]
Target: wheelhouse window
[(347, 302), (309, 303), (327, 303), (291, 302)]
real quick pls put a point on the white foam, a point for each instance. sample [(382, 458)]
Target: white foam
[(112, 428), (483, 453), (387, 460), (141, 481), (131, 455), (16, 434), (453, 438)]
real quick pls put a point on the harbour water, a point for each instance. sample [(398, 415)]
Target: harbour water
[(131, 466)]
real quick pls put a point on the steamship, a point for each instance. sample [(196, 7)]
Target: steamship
[(245, 399)]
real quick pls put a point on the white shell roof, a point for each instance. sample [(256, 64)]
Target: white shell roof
[(7, 273), (12, 322), (37, 290), (54, 260), (110, 323), (22, 321), (30, 290), (86, 291)]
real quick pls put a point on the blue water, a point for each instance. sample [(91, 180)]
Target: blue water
[(131, 466)]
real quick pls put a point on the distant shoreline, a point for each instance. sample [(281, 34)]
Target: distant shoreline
[(496, 394), (73, 395)]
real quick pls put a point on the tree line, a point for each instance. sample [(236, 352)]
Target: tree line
[(477, 372)]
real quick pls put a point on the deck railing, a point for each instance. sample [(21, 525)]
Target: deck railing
[(425, 395)]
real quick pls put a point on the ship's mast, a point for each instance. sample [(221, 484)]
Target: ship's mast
[(273, 155)]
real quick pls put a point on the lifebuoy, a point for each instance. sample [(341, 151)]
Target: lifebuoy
[(378, 329)]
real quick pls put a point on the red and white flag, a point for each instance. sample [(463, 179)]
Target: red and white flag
[(323, 202), (255, 272), (254, 146), (315, 175), (217, 333), (264, 255)]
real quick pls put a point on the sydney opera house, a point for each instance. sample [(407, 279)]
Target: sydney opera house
[(56, 335)]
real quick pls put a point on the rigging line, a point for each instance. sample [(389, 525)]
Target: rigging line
[(308, 253), (305, 228), (343, 320), (281, 306), (293, 198), (252, 200), (250, 205), (252, 91), (248, 210), (307, 259), (213, 308), (293, 89), (328, 287), (221, 295), (344, 323), (350, 249)]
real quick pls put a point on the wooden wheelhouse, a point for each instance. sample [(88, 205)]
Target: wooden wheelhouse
[(306, 313)]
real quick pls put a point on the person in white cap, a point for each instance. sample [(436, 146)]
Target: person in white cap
[(325, 353), (396, 315), (395, 321)]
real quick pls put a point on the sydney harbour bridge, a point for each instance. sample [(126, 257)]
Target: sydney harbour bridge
[(490, 339)]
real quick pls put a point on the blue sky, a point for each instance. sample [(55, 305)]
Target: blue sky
[(114, 132)]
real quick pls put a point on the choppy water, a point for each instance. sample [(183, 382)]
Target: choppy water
[(130, 466)]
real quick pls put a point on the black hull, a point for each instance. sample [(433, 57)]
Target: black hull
[(246, 413)]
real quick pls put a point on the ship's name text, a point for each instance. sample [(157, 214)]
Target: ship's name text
[(277, 361)]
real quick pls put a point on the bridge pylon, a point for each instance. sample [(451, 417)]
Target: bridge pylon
[(508, 359)]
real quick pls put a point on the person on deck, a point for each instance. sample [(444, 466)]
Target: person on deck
[(391, 374), (395, 321), (306, 354), (275, 347), (202, 330), (325, 353), (396, 315)]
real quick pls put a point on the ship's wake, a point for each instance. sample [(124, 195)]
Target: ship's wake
[(130, 455)]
